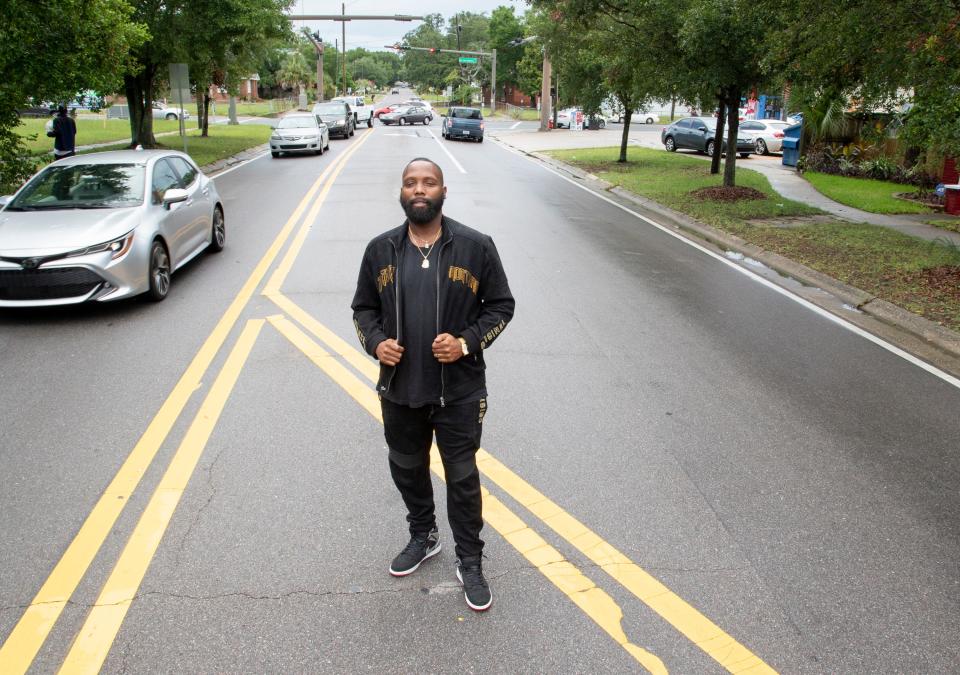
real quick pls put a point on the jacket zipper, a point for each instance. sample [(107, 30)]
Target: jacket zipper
[(396, 305), (443, 384)]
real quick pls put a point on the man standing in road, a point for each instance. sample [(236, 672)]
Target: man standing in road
[(64, 133), (431, 297)]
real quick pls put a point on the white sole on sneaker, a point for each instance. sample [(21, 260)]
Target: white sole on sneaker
[(477, 608), (413, 569)]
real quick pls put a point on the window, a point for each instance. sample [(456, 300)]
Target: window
[(187, 172), (164, 178), (685, 124)]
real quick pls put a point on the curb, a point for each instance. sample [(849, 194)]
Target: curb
[(223, 164), (943, 339)]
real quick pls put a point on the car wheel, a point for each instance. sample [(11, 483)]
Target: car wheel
[(426, 121), (219, 238), (603, 124), (351, 129), (274, 154), (711, 146), (744, 155), (402, 121), (650, 120), (480, 140), (369, 122), (762, 147), (669, 144), (620, 120), (159, 272), (170, 116)]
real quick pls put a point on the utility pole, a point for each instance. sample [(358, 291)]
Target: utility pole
[(317, 43), (546, 103), (343, 17), (343, 27)]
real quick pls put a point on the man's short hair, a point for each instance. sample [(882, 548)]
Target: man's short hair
[(428, 161)]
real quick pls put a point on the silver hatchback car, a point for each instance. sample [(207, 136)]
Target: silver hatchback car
[(106, 226)]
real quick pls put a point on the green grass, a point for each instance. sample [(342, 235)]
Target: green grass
[(258, 109), (90, 130), (950, 225), (874, 196), (920, 276)]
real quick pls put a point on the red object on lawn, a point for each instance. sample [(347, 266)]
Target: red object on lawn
[(950, 174), (951, 202)]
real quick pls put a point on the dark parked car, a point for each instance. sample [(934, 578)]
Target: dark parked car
[(337, 116), (698, 133), (412, 114), (463, 123)]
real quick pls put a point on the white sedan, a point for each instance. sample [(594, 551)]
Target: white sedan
[(105, 226), (768, 134)]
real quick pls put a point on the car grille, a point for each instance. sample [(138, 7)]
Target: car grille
[(49, 284), (293, 146)]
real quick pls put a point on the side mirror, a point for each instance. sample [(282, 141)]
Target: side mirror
[(173, 196)]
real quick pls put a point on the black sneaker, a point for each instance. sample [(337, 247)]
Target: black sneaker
[(421, 547), (475, 588)]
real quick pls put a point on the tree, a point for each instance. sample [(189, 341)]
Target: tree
[(505, 27), (228, 37), (295, 72), (83, 44)]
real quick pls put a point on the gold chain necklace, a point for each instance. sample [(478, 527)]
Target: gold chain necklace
[(420, 244)]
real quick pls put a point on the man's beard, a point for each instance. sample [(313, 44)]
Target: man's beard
[(421, 214)]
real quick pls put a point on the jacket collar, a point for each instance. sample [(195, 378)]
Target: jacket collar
[(448, 225)]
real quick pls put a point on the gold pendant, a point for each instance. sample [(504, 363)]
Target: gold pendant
[(425, 264)]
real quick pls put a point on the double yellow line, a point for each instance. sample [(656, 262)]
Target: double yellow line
[(28, 636)]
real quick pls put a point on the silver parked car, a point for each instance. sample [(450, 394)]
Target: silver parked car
[(106, 226), (767, 134), (300, 132), (410, 114)]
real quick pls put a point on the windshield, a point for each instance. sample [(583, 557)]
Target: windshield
[(297, 123), (330, 109), (83, 186), (466, 113)]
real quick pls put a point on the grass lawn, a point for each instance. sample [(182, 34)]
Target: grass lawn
[(258, 109), (90, 130), (873, 196), (920, 276)]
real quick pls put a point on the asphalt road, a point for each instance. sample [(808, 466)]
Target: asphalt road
[(687, 469)]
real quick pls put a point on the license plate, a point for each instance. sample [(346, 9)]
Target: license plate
[(465, 132)]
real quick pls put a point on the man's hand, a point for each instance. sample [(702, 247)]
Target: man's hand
[(389, 352), (446, 348)]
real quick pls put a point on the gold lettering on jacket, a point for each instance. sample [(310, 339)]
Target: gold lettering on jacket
[(492, 334), (464, 277), (385, 277)]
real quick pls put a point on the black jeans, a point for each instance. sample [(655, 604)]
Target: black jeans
[(409, 432)]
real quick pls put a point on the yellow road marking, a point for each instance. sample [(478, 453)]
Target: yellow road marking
[(26, 638), (700, 630), (593, 601), (283, 269), (93, 643)]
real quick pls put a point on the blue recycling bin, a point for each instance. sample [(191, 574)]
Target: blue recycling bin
[(791, 144)]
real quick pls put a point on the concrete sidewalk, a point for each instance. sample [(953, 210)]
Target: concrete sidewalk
[(783, 179)]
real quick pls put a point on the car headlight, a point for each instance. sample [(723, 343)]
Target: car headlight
[(275, 137), (118, 247)]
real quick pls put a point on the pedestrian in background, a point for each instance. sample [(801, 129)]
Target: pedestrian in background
[(64, 133), (431, 297)]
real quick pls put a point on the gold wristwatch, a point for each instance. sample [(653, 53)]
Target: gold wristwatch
[(463, 346)]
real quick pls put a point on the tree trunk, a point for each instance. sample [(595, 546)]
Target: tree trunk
[(139, 90), (625, 137), (718, 138), (206, 113), (733, 117)]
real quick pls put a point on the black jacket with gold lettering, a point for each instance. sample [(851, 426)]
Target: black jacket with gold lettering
[(473, 300)]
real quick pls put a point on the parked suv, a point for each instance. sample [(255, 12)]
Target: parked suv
[(699, 133)]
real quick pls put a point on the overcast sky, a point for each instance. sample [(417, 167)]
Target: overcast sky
[(373, 35)]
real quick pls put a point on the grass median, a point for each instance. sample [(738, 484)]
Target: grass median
[(90, 131), (920, 276), (873, 196)]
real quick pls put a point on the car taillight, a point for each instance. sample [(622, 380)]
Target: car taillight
[(778, 134), (449, 123), (481, 126)]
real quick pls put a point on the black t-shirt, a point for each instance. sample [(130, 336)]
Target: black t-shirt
[(417, 381)]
